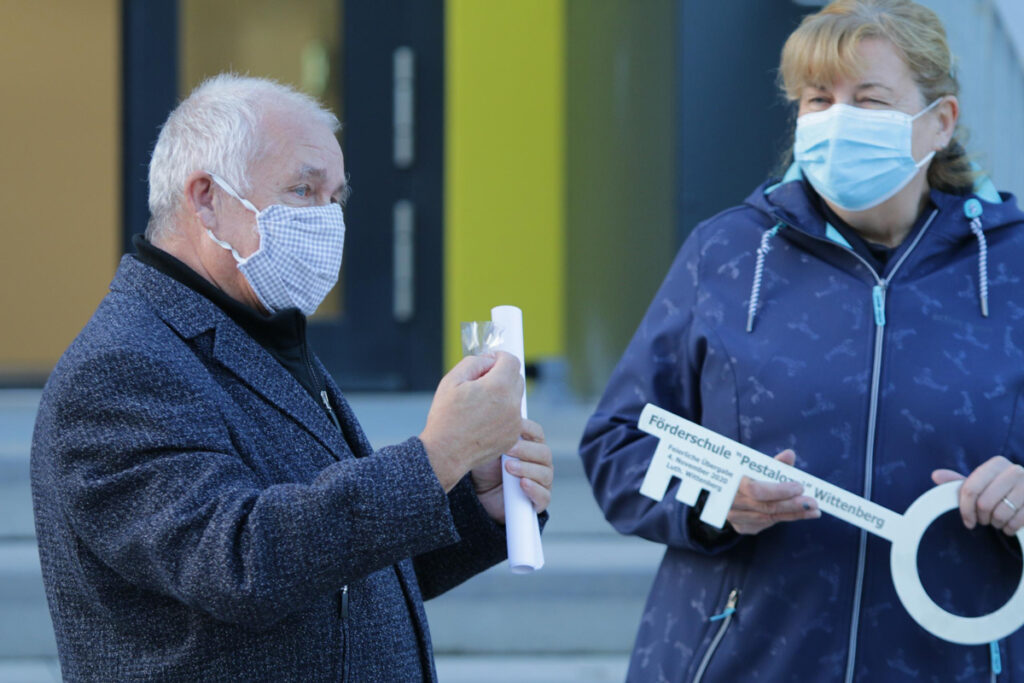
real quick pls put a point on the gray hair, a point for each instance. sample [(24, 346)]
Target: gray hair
[(217, 129)]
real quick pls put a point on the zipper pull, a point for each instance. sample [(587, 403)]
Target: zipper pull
[(878, 299), (997, 660), (344, 602), (730, 605), (330, 410)]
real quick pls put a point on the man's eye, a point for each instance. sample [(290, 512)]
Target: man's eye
[(302, 190)]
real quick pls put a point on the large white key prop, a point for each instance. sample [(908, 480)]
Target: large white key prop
[(705, 460)]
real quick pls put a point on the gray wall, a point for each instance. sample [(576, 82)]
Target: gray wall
[(991, 73)]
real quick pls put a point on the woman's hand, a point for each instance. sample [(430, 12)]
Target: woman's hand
[(758, 504), (992, 494)]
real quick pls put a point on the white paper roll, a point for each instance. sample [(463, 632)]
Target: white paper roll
[(525, 553)]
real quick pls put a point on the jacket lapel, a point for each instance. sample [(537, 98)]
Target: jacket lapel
[(354, 434), (239, 353), (190, 314)]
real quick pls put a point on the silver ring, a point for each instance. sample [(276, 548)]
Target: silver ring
[(1012, 506)]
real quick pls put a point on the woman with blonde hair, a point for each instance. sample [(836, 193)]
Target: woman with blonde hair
[(860, 318)]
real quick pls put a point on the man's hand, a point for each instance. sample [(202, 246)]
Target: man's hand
[(475, 415), (758, 504), (532, 462), (992, 494)]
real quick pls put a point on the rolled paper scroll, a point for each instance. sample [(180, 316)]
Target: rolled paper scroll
[(525, 553)]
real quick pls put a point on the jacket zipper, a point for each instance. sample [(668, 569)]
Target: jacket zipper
[(323, 390), (344, 633), (878, 293), (726, 617)]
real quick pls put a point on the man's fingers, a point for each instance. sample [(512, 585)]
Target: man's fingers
[(538, 495), (532, 431), (531, 451), (541, 474), (471, 368), (505, 365)]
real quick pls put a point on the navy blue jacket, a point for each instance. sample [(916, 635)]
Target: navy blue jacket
[(875, 380), (200, 517)]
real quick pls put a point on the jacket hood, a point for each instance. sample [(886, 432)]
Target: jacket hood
[(788, 204), (788, 201)]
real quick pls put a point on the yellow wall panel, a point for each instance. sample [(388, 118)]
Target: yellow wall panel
[(60, 136), (504, 167)]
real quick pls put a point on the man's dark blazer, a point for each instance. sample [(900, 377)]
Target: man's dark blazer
[(201, 518)]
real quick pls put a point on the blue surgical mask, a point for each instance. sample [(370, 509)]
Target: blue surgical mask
[(857, 158), (299, 255)]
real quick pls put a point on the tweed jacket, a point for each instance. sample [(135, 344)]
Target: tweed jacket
[(201, 518)]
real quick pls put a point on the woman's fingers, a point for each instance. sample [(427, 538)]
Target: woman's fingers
[(759, 504)]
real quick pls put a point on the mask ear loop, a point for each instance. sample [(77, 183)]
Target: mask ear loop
[(227, 188), (928, 108), (239, 259), (919, 114)]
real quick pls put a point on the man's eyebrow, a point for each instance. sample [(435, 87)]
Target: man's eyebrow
[(312, 172)]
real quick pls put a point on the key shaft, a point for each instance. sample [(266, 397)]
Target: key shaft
[(703, 459)]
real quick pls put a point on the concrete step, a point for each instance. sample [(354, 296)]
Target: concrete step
[(450, 669), (17, 417), (16, 521), (536, 669), (25, 627), (597, 587), (30, 670), (588, 598)]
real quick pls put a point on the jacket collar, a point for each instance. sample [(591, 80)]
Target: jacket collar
[(191, 315), (788, 201)]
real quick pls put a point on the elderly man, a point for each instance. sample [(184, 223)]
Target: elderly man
[(207, 505)]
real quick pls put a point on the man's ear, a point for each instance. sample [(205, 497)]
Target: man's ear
[(948, 111), (199, 195)]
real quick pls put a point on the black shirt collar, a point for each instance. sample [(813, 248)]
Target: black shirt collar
[(281, 331)]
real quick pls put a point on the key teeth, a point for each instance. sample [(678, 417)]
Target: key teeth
[(658, 474), (655, 483), (688, 493), (718, 504), (715, 512)]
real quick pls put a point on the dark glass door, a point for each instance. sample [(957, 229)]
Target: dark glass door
[(379, 65)]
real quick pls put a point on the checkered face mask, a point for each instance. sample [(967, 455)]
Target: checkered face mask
[(299, 255)]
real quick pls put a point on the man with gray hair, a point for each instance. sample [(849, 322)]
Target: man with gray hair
[(207, 506)]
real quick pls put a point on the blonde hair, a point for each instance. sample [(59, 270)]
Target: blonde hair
[(824, 48)]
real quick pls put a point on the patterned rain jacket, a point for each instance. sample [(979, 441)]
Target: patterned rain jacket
[(771, 330)]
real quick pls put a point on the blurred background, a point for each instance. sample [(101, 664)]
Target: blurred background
[(551, 154)]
